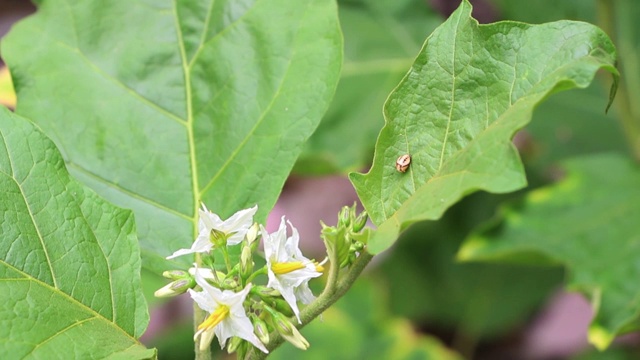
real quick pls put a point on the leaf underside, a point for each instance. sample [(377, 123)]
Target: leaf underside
[(470, 89), (69, 261), (163, 104)]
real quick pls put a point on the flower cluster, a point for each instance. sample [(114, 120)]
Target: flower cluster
[(237, 308)]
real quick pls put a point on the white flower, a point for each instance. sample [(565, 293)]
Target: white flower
[(227, 315), (289, 271), (235, 228)]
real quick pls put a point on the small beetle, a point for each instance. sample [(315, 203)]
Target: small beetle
[(403, 162)]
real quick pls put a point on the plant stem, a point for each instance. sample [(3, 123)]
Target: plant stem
[(333, 291), (227, 261), (259, 272), (616, 19)]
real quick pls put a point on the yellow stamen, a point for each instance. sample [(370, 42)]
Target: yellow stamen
[(284, 268), (219, 314), (319, 267)]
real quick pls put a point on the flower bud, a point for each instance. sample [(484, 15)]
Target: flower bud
[(229, 283), (234, 344), (252, 234), (360, 221), (265, 293), (357, 246), (289, 332), (344, 217), (260, 329), (174, 274), (281, 305), (246, 262), (175, 288)]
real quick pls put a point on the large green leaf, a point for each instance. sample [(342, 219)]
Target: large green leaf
[(69, 261), (479, 301), (470, 89), (381, 40), (589, 223), (159, 105)]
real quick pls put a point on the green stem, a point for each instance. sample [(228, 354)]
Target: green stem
[(259, 272), (329, 296), (227, 261), (615, 18)]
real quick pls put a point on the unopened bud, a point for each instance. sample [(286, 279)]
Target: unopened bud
[(360, 221), (175, 288), (252, 234), (174, 274), (260, 329), (357, 246), (234, 343), (289, 332), (282, 306), (265, 293), (246, 262), (229, 283), (344, 217)]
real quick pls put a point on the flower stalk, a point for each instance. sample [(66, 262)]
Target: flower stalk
[(250, 319)]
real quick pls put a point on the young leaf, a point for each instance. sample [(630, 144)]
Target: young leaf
[(160, 105), (588, 222), (470, 89), (69, 261)]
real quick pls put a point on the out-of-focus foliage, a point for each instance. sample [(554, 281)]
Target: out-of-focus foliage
[(471, 299), (359, 326), (587, 222)]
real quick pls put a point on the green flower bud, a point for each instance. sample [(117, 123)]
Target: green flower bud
[(229, 283), (246, 262), (261, 329), (344, 217), (360, 221), (234, 344), (289, 332), (265, 293), (175, 274), (282, 306), (252, 234), (357, 246), (175, 288)]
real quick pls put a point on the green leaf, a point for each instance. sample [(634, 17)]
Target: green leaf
[(69, 261), (381, 41), (471, 88), (478, 301), (587, 222), (158, 105)]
